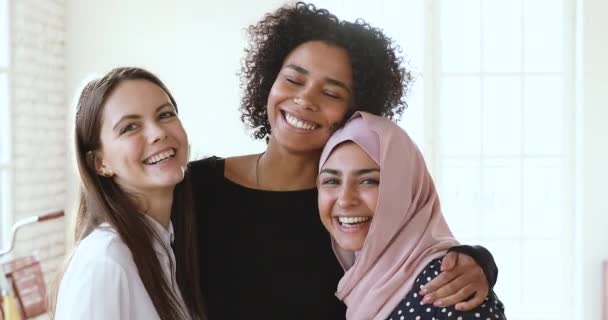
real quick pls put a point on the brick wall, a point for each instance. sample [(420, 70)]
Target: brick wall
[(39, 120)]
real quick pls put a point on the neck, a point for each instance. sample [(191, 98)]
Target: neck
[(281, 170), (157, 205)]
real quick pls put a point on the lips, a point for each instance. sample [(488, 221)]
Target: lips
[(298, 122), (159, 157), (352, 224), (353, 220)]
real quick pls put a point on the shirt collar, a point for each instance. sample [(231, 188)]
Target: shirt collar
[(166, 234)]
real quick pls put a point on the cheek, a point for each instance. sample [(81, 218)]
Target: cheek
[(277, 92), (121, 156), (270, 107), (180, 133), (326, 202), (371, 200), (133, 152), (336, 113)]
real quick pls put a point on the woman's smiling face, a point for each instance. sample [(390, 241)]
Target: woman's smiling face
[(348, 193), (143, 144), (310, 96)]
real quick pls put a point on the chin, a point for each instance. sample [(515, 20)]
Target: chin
[(350, 245), (169, 181), (301, 146)]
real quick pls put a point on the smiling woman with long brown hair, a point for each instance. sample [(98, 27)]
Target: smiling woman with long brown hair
[(132, 154)]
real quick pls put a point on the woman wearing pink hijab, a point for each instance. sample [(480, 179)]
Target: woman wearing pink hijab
[(378, 201)]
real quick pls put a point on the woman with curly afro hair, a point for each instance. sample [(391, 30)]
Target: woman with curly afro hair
[(264, 253)]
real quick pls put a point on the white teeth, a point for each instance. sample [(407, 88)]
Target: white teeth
[(160, 157), (353, 220), (299, 123)]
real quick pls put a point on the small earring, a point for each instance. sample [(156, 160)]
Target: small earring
[(297, 100), (106, 173)]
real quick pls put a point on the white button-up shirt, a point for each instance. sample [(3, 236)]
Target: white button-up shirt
[(102, 281)]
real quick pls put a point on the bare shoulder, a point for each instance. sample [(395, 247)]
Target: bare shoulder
[(241, 169)]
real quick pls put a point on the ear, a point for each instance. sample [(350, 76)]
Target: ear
[(100, 166)]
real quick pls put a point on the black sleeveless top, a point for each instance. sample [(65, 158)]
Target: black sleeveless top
[(264, 254)]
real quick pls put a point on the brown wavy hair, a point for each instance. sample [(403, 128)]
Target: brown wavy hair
[(103, 201)]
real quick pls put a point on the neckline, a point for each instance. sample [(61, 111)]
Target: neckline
[(222, 169), (240, 186)]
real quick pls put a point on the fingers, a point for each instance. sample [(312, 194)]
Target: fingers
[(457, 285), (464, 279), (460, 296), (469, 305), (449, 261), (453, 289), (439, 282)]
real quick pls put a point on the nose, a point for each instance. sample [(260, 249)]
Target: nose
[(156, 132), (348, 197), (305, 99)]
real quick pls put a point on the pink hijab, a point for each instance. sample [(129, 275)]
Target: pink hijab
[(408, 229)]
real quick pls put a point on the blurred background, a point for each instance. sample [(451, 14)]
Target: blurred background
[(509, 108)]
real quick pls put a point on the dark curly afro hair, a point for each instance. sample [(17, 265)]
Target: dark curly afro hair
[(379, 78)]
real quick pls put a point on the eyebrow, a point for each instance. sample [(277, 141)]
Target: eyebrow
[(331, 81), (135, 116), (357, 172)]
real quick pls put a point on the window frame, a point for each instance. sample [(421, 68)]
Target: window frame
[(6, 160)]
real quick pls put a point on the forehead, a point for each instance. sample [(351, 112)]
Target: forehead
[(322, 58), (134, 97), (349, 155)]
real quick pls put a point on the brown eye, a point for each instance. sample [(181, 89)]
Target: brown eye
[(330, 181), (168, 114), (128, 127), (370, 181)]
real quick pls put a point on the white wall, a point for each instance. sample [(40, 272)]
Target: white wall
[(211, 39), (106, 34), (593, 228)]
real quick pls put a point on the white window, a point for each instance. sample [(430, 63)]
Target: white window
[(502, 153), (4, 120), (489, 110)]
